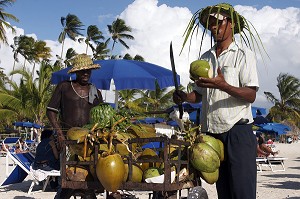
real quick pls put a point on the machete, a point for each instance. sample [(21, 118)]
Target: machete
[(175, 79)]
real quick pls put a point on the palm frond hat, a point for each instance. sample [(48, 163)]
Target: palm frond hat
[(242, 26), (82, 62)]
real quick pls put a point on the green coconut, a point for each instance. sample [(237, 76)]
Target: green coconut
[(222, 154), (137, 173), (204, 158), (210, 178), (152, 172), (212, 142), (151, 155), (79, 149), (77, 133), (200, 68), (110, 171), (122, 147)]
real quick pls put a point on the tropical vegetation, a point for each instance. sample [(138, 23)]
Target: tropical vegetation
[(287, 105), (26, 98), (4, 16)]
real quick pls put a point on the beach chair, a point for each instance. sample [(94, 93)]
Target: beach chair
[(273, 162), (259, 162), (22, 169), (8, 144)]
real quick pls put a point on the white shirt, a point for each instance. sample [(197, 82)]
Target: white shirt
[(220, 111)]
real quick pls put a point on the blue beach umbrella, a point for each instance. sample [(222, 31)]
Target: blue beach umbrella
[(126, 74), (27, 125), (278, 128), (258, 111)]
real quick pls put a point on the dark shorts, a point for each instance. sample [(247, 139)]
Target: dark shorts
[(237, 178)]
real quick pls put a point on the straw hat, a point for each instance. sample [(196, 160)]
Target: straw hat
[(220, 11), (82, 62)]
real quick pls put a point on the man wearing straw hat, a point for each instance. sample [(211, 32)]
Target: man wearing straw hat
[(72, 102), (227, 97)]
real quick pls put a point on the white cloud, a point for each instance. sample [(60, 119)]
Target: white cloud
[(6, 51), (154, 27)]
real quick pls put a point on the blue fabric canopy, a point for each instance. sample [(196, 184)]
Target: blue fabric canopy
[(127, 74), (258, 111), (278, 128), (27, 124)]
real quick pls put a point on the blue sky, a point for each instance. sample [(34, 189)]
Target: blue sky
[(42, 17), (156, 23)]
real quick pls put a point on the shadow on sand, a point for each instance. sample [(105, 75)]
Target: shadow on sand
[(284, 184), (23, 187)]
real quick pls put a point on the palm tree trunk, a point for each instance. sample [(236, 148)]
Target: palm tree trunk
[(24, 64), (112, 48), (33, 68), (62, 49), (87, 45), (13, 70)]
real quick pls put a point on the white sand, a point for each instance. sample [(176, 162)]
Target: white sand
[(270, 185)]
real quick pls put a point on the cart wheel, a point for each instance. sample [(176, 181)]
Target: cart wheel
[(82, 194), (197, 193)]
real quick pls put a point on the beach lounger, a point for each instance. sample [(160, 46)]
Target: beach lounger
[(259, 162), (8, 144), (273, 162), (21, 170)]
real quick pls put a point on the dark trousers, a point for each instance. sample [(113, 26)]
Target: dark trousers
[(237, 174)]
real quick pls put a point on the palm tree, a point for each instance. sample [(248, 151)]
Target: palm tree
[(28, 99), (136, 57), (93, 34), (156, 100), (40, 52), (33, 51), (15, 102), (3, 17), (69, 55), (71, 27), (16, 51), (119, 31), (127, 100), (24, 46), (287, 107), (101, 51)]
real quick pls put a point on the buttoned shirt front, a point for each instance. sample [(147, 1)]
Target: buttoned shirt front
[(220, 111)]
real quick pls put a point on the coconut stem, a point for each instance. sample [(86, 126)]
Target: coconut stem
[(110, 143)]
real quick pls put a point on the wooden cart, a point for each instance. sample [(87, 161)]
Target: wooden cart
[(161, 145)]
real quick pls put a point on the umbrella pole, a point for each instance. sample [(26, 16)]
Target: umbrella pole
[(116, 99)]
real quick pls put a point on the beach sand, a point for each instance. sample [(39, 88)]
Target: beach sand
[(270, 185)]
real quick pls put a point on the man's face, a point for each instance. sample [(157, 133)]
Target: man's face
[(83, 76), (220, 29)]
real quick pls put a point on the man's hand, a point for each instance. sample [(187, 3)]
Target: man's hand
[(217, 82), (244, 93), (179, 97), (60, 138)]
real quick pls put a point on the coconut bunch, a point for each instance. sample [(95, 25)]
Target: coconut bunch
[(111, 131), (206, 155)]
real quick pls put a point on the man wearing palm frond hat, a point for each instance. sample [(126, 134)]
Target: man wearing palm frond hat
[(227, 97)]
